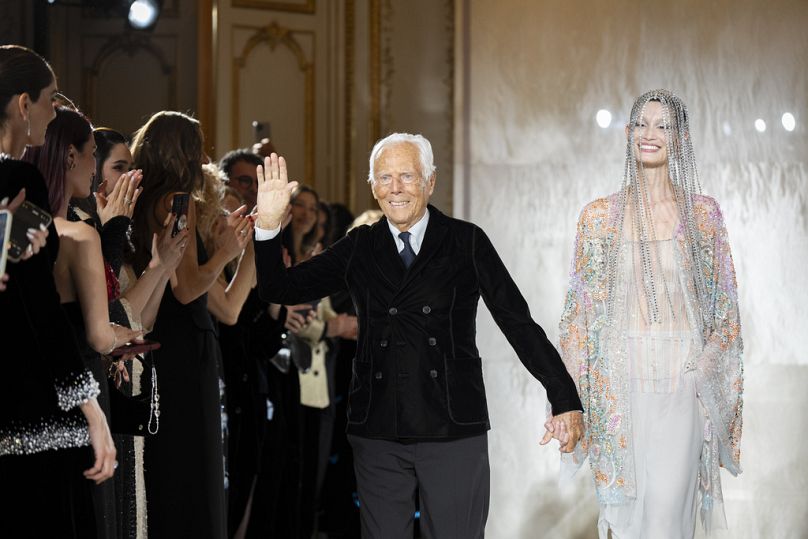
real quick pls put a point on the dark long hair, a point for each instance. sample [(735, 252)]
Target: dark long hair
[(308, 237), (21, 71), (168, 148), (105, 139), (70, 127)]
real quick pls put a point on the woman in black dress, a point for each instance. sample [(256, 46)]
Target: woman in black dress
[(183, 461), (48, 407)]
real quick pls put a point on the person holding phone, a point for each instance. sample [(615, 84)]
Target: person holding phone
[(49, 413), (184, 460)]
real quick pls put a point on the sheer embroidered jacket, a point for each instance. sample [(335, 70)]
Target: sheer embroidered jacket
[(591, 349)]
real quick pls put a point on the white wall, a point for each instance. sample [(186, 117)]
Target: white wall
[(538, 71)]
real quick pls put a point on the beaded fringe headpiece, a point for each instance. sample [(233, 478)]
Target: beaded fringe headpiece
[(684, 179)]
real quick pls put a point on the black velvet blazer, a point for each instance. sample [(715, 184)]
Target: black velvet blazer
[(417, 373)]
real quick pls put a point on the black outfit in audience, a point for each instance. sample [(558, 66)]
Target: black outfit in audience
[(183, 461), (43, 434)]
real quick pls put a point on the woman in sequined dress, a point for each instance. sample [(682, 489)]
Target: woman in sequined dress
[(651, 334), (48, 408)]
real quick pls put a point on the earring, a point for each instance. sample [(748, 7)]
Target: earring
[(28, 120)]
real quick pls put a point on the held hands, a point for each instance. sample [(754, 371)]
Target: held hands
[(567, 428), (122, 199), (274, 192)]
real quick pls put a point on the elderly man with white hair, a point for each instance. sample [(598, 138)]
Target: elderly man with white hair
[(417, 414)]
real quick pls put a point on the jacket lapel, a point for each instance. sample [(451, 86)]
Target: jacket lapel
[(385, 255)]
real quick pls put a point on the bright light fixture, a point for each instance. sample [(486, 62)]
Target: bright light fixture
[(789, 123), (143, 14), (604, 118), (760, 125)]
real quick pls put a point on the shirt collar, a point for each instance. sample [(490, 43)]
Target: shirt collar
[(417, 233)]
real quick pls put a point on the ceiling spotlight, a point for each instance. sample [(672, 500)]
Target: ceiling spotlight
[(760, 125), (143, 14), (604, 118), (789, 122)]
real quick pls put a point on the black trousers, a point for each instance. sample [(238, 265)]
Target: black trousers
[(451, 479)]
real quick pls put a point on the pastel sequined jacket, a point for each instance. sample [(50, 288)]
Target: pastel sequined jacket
[(587, 335)]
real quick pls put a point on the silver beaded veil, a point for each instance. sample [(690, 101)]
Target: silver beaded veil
[(684, 179)]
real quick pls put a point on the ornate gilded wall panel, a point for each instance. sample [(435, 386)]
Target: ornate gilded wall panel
[(300, 6), (285, 96)]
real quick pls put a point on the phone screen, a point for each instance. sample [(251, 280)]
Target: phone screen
[(26, 216), (5, 230), (179, 207)]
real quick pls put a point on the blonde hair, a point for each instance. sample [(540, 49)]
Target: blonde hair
[(208, 199), (367, 217)]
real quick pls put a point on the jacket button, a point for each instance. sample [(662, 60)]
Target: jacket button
[(393, 311), (244, 378), (426, 309), (433, 373), (378, 375), (383, 343), (432, 341)]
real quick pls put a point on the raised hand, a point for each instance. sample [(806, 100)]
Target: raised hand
[(274, 192)]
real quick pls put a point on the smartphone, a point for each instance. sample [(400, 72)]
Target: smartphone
[(5, 231), (27, 216), (135, 348), (179, 207)]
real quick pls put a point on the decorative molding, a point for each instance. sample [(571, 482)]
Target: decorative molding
[(205, 79), (348, 178), (274, 35), (127, 43), (375, 69), (305, 6), (449, 82), (387, 68)]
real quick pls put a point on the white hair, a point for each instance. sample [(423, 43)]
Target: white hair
[(419, 141)]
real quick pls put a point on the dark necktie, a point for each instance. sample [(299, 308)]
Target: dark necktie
[(407, 255)]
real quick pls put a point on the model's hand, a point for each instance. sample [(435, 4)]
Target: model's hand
[(274, 192), (567, 428)]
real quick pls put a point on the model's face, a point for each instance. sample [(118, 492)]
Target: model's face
[(651, 136), (304, 213), (399, 187), (243, 178), (80, 175), (118, 162), (40, 113)]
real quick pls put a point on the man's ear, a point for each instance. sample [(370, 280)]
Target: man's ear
[(373, 190), (430, 183)]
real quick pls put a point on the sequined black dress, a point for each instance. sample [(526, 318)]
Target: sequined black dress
[(43, 434)]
